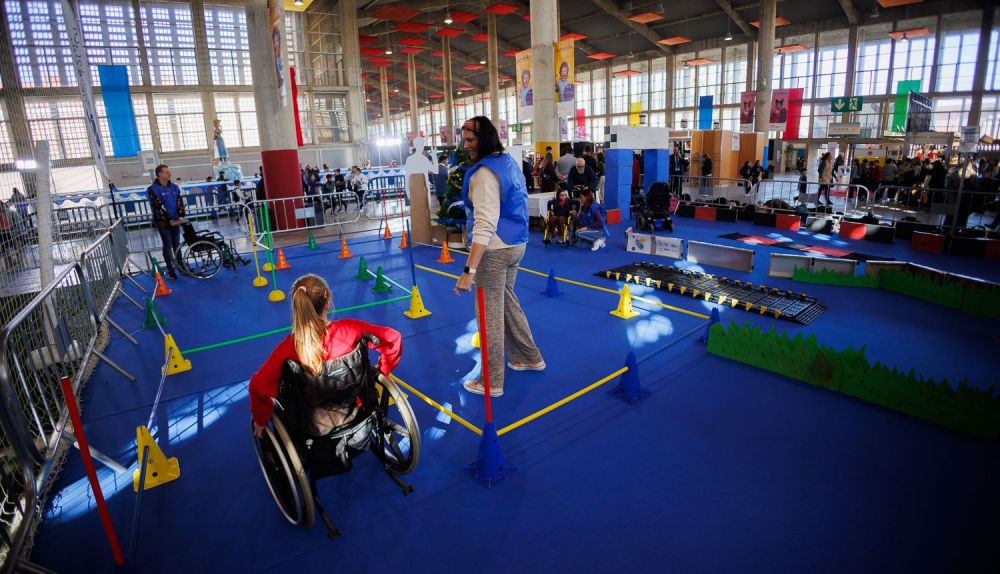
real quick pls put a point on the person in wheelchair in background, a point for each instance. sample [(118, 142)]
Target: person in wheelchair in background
[(581, 177), (559, 210)]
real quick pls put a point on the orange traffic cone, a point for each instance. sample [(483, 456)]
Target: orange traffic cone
[(345, 253), (161, 287), (445, 254), (282, 262), (404, 241), (387, 234)]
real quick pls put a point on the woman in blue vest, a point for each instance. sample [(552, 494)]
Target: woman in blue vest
[(496, 201), (168, 214)]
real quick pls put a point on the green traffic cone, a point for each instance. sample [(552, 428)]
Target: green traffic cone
[(154, 267), (363, 273), (152, 315), (312, 241), (381, 285)]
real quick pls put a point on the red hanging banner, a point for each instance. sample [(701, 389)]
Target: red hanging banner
[(295, 106), (794, 114)]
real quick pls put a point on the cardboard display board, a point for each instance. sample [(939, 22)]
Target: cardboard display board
[(846, 266), (785, 265), (420, 210)]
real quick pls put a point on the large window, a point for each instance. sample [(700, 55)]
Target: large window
[(238, 115), (181, 122), (228, 47), (110, 36), (874, 47), (141, 111), (6, 145), (796, 68), (293, 37), (683, 82), (59, 121), (658, 88), (598, 87), (619, 92), (914, 58), (957, 53), (169, 35), (831, 72), (638, 85), (710, 76), (41, 45), (734, 76), (330, 118), (992, 72), (326, 50)]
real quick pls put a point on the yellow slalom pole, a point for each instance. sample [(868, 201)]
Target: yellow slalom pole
[(260, 281), (560, 403), (437, 406)]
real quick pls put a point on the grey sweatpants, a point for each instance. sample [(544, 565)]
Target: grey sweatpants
[(506, 325)]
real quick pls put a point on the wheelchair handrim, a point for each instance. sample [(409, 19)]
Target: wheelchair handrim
[(294, 473)]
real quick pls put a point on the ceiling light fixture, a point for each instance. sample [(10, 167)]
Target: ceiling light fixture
[(482, 62), (388, 50), (729, 34), (904, 39), (447, 17), (299, 2)]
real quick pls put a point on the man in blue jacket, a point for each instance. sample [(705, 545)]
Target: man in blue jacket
[(168, 214)]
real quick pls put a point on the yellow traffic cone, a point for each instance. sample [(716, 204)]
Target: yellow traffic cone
[(417, 309), (177, 364), (624, 309), (475, 340), (159, 468)]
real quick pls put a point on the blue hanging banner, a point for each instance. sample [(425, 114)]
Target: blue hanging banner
[(118, 106), (705, 113)]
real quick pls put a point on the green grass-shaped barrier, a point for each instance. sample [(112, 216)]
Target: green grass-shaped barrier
[(966, 409), (969, 296)]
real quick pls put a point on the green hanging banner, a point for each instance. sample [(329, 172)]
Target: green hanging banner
[(903, 89)]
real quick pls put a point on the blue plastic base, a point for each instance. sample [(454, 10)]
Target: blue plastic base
[(490, 465)]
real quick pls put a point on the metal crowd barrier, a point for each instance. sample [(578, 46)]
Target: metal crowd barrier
[(712, 189), (55, 335), (844, 198), (950, 209), (306, 213)]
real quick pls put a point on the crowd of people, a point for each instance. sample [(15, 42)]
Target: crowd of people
[(544, 173)]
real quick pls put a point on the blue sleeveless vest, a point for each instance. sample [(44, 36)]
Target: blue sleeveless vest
[(512, 227)]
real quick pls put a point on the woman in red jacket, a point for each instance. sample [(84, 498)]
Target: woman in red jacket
[(314, 341)]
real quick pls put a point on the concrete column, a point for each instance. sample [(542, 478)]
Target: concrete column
[(852, 67), (275, 119), (883, 122), (668, 101), (751, 54), (356, 112), (449, 121), (383, 83), (765, 63), (411, 80), (204, 71), (607, 96), (493, 62), (979, 76), (544, 35), (936, 65)]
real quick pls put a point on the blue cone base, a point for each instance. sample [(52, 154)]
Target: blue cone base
[(629, 387), (552, 287), (490, 465), (711, 321)]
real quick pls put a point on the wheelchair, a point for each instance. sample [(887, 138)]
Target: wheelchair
[(657, 203), (204, 253), (321, 424), (568, 235)]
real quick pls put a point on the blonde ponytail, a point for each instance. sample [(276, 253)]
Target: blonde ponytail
[(310, 296)]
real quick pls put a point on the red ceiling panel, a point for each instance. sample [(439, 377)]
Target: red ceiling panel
[(450, 32), (674, 40), (473, 66), (480, 37), (411, 50), (437, 53), (395, 13), (412, 41), (778, 21), (510, 53), (365, 39), (500, 8), (368, 51), (601, 56), (412, 27), (460, 17), (645, 17), (627, 73), (572, 36)]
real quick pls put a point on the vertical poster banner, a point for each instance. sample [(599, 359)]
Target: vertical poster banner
[(274, 14), (748, 101), (705, 112), (779, 110), (794, 114), (81, 67), (581, 124), (118, 105), (903, 89), (525, 96), (565, 87), (634, 111), (295, 105), (502, 130), (443, 139)]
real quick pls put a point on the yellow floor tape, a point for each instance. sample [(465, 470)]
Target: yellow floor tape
[(437, 406)]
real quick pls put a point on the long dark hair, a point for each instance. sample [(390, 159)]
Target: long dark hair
[(486, 133)]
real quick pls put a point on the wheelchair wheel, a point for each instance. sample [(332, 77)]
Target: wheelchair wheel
[(285, 475), (202, 259), (397, 443)]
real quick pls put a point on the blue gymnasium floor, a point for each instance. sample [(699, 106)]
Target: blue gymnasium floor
[(722, 468)]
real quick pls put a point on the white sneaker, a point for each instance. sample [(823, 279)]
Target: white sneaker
[(598, 244)]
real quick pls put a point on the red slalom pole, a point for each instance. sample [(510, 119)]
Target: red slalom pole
[(88, 463), (485, 354)]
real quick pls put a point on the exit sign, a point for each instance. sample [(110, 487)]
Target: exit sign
[(845, 105)]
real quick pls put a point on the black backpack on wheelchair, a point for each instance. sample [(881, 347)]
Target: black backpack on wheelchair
[(322, 423)]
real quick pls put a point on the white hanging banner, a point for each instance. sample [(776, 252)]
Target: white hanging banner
[(81, 67)]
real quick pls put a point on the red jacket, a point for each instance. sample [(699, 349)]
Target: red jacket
[(341, 338)]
